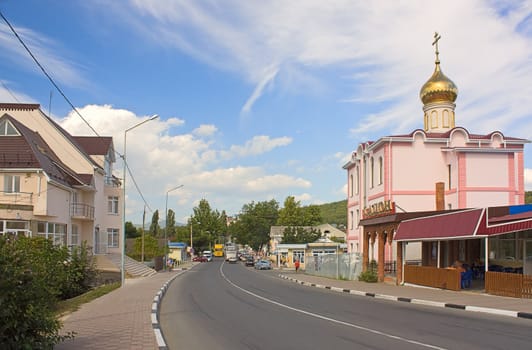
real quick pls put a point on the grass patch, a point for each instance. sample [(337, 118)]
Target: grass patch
[(65, 307)]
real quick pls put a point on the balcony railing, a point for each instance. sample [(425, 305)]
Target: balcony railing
[(18, 198), (82, 211), (112, 181)]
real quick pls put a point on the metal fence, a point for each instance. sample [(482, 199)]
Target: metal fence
[(339, 266)]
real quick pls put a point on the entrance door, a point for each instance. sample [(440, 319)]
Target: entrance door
[(527, 258)]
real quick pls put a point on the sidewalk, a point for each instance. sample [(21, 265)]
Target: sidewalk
[(119, 320), (465, 300)]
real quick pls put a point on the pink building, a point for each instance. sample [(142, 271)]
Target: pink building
[(400, 172)]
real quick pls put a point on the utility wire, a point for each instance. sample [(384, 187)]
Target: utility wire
[(46, 73), (67, 100), (8, 90)]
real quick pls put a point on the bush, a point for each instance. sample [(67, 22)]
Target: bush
[(31, 271), (79, 273), (368, 276)]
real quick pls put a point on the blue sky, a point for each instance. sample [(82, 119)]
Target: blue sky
[(260, 100)]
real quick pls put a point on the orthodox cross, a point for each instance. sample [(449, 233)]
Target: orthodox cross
[(437, 37)]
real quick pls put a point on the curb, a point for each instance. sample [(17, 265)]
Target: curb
[(161, 343), (487, 310)]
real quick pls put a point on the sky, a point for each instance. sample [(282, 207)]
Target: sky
[(260, 100)]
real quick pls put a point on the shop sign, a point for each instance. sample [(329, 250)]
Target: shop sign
[(379, 209)]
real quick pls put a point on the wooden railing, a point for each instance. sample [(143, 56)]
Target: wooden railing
[(509, 284), (432, 277)]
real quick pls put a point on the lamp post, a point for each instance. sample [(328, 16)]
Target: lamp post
[(122, 258), (166, 227)]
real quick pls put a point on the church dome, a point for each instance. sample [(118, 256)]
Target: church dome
[(438, 88)]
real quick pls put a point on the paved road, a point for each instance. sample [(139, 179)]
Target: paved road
[(222, 306)]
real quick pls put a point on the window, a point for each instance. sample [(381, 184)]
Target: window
[(112, 237), (358, 217), (357, 180), (372, 172), (351, 219), (351, 185), (381, 170), (299, 255), (75, 235), (53, 231), (112, 205), (11, 183), (7, 129)]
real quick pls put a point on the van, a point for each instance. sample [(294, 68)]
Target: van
[(207, 254)]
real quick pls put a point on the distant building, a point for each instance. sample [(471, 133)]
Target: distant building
[(57, 185), (328, 232), (439, 167)]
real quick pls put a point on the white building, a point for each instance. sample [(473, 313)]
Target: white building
[(57, 185)]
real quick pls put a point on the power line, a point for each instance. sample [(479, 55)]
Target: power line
[(46, 73), (66, 99), (8, 90)]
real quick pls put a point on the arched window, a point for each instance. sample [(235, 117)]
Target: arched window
[(381, 171), (351, 184), (357, 180), (372, 172)]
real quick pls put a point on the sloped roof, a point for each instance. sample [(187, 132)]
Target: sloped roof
[(30, 151), (95, 145)]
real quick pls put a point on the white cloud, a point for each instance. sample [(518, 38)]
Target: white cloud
[(49, 54), (205, 130), (383, 47), (257, 145), (528, 179), (160, 161)]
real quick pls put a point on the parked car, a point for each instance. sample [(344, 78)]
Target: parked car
[(250, 261), (263, 265), (200, 258)]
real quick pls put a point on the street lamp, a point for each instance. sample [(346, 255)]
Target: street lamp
[(166, 226), (122, 258)]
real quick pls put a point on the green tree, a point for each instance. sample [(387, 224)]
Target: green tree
[(206, 224), (155, 229), (291, 214), (254, 222), (131, 230), (32, 276), (528, 197), (298, 234), (170, 224), (151, 247), (312, 215)]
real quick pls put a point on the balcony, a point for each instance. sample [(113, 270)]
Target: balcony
[(112, 181), (82, 211), (16, 200)]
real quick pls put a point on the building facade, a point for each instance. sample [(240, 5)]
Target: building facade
[(439, 167), (57, 185)]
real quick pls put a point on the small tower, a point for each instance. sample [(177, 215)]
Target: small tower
[(438, 95)]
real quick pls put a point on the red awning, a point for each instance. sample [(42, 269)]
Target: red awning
[(471, 223), (455, 225)]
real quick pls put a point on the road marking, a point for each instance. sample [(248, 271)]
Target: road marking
[(325, 318)]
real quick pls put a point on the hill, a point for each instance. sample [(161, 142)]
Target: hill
[(334, 213)]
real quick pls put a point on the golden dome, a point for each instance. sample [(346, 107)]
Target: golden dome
[(438, 88)]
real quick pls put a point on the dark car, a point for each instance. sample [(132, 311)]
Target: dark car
[(250, 261), (200, 258)]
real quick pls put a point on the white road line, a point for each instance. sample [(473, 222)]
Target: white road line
[(325, 318)]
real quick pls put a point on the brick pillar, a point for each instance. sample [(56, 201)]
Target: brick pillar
[(399, 279), (380, 257)]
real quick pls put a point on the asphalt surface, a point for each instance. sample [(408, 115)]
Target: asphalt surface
[(217, 305)]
